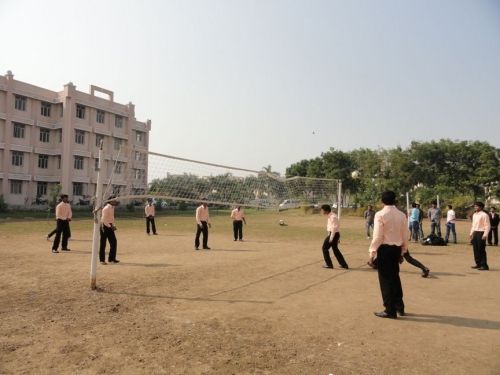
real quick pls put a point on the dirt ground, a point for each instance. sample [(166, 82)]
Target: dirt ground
[(262, 306)]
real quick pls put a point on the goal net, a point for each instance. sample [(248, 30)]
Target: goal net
[(174, 179)]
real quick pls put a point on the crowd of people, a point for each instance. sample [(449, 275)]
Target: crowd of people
[(388, 230)]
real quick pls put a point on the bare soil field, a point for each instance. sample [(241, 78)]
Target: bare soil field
[(261, 306)]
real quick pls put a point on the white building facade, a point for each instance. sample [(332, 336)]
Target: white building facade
[(50, 138)]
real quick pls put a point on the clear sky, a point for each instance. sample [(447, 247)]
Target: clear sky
[(271, 82)]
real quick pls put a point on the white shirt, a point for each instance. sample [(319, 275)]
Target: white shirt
[(201, 214), (332, 224), (63, 211), (237, 215), (108, 215), (450, 216), (390, 229)]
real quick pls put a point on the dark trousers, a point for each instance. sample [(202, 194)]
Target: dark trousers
[(55, 231), (109, 235), (450, 228), (436, 226), (336, 251), (413, 261), (199, 230), (388, 276), (238, 229), (493, 236), (150, 220), (479, 246), (61, 229), (415, 230)]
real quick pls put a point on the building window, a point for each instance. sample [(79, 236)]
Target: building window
[(20, 103), (44, 135), (119, 167), (45, 109), (98, 139), (79, 137), (139, 136), (138, 174), (43, 161), (118, 122), (80, 111), (19, 130), (96, 164), (78, 162), (117, 143), (60, 135), (137, 156), (61, 111), (100, 117), (17, 158), (16, 187), (77, 188), (41, 189), (116, 189), (58, 161)]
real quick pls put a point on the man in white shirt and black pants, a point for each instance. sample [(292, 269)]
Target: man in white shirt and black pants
[(238, 219), (390, 242), (202, 226), (332, 240), (63, 217)]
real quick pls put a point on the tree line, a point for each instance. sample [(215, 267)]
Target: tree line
[(459, 172)]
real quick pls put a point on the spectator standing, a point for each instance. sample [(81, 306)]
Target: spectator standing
[(493, 234), (450, 224), (369, 216), (434, 215)]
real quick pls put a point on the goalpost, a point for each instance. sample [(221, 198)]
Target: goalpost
[(170, 179)]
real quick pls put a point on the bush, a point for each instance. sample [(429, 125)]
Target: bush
[(130, 206), (3, 206)]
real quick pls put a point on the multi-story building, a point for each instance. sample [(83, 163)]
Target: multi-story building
[(50, 138)]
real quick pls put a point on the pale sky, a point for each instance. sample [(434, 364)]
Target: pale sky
[(265, 82)]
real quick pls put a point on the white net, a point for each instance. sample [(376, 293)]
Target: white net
[(173, 179)]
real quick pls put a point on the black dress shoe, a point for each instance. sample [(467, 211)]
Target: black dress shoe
[(483, 269), (401, 313), (206, 248), (425, 272), (66, 249), (114, 261), (475, 267), (345, 267), (55, 251), (383, 314)]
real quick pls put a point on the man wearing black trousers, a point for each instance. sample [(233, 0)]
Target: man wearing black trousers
[(493, 235), (332, 240), (389, 243), (149, 212), (478, 234), (63, 217), (108, 232), (202, 225)]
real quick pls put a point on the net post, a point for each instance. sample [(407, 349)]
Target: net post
[(96, 233), (339, 198)]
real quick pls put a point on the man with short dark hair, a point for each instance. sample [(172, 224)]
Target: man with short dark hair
[(63, 217), (478, 234), (332, 239), (149, 212), (389, 243), (108, 229), (369, 215), (450, 224), (238, 217), (434, 215), (493, 235), (202, 225)]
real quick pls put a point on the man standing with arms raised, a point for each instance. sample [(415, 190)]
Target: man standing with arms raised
[(63, 217), (202, 226), (388, 245)]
